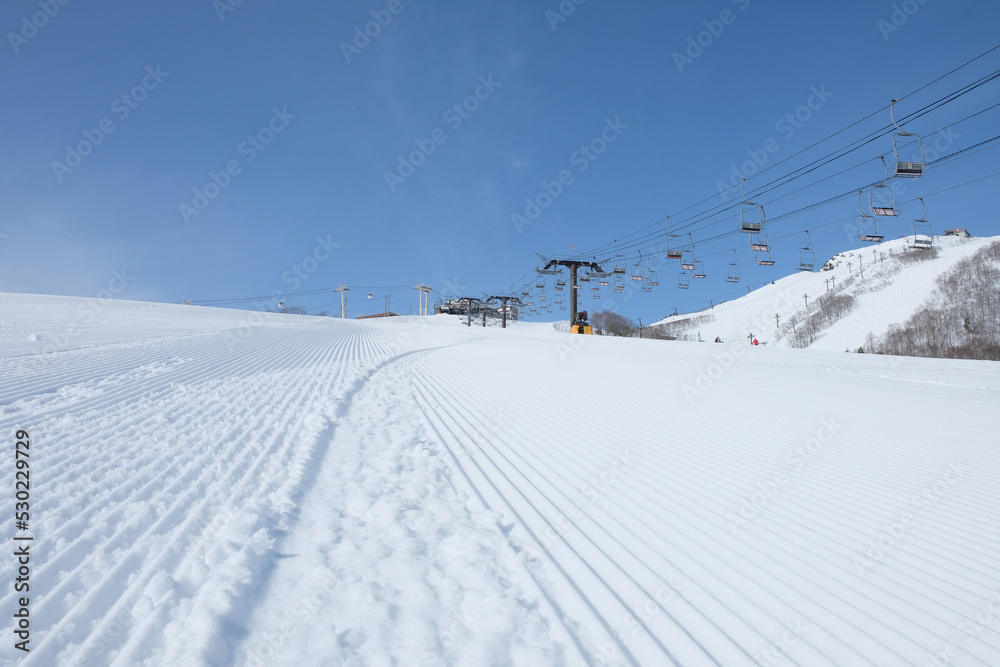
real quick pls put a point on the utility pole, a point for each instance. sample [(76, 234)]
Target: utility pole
[(343, 304)]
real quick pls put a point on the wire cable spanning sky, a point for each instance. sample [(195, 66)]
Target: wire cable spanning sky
[(245, 153)]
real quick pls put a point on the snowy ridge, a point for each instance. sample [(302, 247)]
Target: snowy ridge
[(314, 491), (888, 293)]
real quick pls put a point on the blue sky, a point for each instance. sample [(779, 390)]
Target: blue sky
[(219, 150)]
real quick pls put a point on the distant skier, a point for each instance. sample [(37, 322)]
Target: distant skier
[(755, 341)]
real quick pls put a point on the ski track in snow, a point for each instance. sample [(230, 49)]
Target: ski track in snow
[(426, 494)]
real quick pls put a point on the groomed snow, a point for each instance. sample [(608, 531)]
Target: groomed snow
[(215, 487)]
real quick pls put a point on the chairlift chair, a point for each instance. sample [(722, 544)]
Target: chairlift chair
[(674, 250), (618, 262), (764, 258), (864, 221), (687, 262), (619, 284), (751, 214), (651, 278), (733, 269), (807, 259), (923, 235), (758, 242), (880, 196), (699, 270), (906, 145), (683, 280), (637, 275)]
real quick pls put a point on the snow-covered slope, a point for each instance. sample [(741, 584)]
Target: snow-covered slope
[(210, 487), (886, 291)]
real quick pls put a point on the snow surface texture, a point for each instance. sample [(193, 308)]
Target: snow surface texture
[(213, 487), (888, 293)]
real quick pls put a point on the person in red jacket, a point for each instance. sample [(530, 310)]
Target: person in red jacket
[(755, 341)]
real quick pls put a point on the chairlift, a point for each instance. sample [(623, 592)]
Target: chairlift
[(619, 284), (880, 196), (687, 262), (807, 259), (637, 275), (651, 278), (751, 214), (683, 280), (923, 235), (540, 284), (618, 262), (865, 222), (764, 258), (370, 295), (758, 242), (560, 285), (906, 145), (675, 252), (584, 278), (597, 294), (733, 269), (699, 270)]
